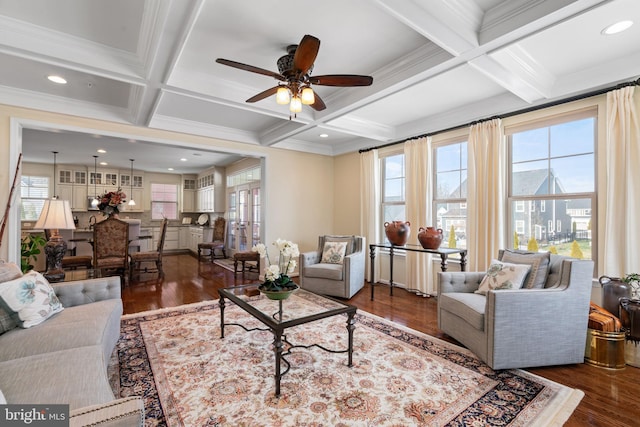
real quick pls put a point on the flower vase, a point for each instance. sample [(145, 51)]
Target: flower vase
[(278, 295)]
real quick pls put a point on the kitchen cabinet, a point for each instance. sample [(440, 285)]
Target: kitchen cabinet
[(184, 238), (210, 195), (72, 186), (199, 235), (171, 239), (189, 195), (132, 185)]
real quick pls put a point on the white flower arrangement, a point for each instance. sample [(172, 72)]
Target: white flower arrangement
[(276, 275)]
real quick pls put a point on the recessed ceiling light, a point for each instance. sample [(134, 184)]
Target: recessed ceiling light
[(324, 135), (616, 28), (170, 169), (104, 163), (101, 150), (183, 159), (57, 79)]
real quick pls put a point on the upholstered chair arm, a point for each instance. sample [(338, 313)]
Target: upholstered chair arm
[(516, 330), (309, 258), (354, 270), (86, 291), (459, 281)]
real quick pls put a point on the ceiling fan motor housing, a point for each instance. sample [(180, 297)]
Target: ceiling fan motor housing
[(285, 63)]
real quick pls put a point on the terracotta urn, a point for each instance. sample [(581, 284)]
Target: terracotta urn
[(430, 237), (397, 232)]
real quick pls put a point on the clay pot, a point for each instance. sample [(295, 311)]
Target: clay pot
[(430, 237), (397, 232)]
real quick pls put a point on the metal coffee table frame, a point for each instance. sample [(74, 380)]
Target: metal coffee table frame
[(277, 325)]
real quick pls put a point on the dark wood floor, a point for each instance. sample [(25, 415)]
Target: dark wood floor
[(612, 398)]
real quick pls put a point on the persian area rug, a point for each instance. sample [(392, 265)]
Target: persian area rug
[(189, 376)]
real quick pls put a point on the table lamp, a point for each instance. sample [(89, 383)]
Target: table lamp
[(55, 215)]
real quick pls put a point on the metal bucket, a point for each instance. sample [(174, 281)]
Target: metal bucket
[(605, 349)]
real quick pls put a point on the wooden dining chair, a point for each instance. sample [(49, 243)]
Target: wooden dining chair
[(137, 258), (217, 242), (111, 247)]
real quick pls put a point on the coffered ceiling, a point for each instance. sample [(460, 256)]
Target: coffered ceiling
[(435, 64)]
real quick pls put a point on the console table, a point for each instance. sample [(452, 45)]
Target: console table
[(443, 252)]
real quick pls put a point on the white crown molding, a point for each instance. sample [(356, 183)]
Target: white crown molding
[(43, 44), (307, 147), (519, 18), (354, 125), (202, 129), (56, 104)]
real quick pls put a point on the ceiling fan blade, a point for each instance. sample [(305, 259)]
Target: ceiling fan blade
[(250, 68), (341, 80), (306, 53), (264, 94), (318, 105)]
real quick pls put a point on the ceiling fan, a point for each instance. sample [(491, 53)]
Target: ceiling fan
[(295, 76)]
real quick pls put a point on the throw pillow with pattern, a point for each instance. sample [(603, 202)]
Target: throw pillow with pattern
[(502, 275), (29, 299), (333, 252), (539, 262)]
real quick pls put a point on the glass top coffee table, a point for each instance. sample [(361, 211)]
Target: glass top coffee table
[(300, 308)]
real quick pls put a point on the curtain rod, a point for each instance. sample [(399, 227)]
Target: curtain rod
[(513, 113)]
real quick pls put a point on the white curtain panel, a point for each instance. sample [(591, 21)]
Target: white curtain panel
[(418, 202), (485, 193), (370, 206), (622, 203)]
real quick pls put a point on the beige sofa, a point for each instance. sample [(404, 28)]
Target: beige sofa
[(64, 359)]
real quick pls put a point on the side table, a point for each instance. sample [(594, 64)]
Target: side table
[(443, 252)]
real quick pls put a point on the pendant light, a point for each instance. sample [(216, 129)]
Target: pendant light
[(95, 202), (131, 201)]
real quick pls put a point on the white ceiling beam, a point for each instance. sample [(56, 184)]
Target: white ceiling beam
[(453, 25)]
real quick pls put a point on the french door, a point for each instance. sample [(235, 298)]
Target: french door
[(244, 210)]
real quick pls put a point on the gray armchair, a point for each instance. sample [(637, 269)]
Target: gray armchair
[(520, 328), (338, 280)]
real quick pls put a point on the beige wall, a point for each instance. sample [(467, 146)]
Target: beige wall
[(346, 189), (298, 186)]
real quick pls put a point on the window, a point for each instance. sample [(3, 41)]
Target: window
[(164, 201), (450, 193), (553, 165), (34, 190), (393, 185), (111, 179)]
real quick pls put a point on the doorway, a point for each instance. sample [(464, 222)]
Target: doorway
[(244, 210)]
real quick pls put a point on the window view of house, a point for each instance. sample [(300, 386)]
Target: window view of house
[(393, 189), (552, 188), (450, 193)]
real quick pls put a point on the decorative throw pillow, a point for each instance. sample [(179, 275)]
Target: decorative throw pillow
[(502, 275), (349, 240), (333, 252), (539, 262), (6, 321), (9, 271), (29, 299)]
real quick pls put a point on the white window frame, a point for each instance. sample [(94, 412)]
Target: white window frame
[(29, 199), (520, 199)]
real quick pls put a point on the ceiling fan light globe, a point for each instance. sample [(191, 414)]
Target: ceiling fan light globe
[(307, 96), (296, 105), (282, 96)]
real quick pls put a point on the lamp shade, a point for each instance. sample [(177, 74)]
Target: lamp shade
[(307, 96), (296, 105), (55, 215), (282, 95)]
